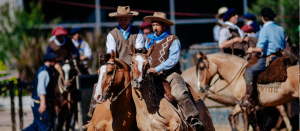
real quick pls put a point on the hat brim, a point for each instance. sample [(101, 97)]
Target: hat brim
[(149, 19), (115, 14)]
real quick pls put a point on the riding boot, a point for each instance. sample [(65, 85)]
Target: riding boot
[(249, 97), (190, 112)]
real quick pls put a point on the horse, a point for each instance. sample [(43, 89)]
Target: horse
[(115, 110), (66, 97), (158, 114), (230, 68), (222, 95)]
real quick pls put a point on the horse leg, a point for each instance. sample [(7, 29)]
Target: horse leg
[(245, 120), (284, 117), (237, 109), (59, 120), (101, 126), (252, 118)]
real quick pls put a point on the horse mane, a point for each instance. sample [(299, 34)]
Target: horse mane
[(122, 64)]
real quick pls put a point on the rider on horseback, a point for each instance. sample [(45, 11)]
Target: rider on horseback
[(271, 41), (119, 40), (164, 60)]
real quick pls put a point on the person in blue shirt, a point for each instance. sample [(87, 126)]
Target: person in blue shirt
[(42, 96), (271, 40), (164, 60)]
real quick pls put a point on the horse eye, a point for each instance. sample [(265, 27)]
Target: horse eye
[(109, 73), (132, 62)]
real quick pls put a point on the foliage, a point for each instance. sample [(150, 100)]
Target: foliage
[(21, 38), (287, 14)]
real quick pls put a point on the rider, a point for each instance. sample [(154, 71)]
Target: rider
[(271, 40), (164, 60), (231, 36), (250, 20), (61, 45), (42, 96), (119, 40), (147, 29), (220, 23), (85, 52)]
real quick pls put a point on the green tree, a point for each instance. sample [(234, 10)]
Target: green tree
[(287, 14), (21, 38)]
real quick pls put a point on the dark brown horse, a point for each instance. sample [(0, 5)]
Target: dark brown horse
[(66, 97)]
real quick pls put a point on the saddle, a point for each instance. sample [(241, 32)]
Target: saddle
[(276, 72), (167, 91)]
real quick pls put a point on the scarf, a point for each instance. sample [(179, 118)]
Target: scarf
[(127, 32), (154, 38)]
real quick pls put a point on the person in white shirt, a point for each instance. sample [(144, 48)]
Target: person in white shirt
[(231, 36), (219, 24), (85, 52)]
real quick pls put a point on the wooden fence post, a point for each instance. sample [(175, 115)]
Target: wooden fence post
[(12, 104)]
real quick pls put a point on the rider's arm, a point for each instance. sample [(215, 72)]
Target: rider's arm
[(262, 40), (224, 36), (174, 53), (216, 31), (139, 42), (87, 51), (110, 44), (43, 80)]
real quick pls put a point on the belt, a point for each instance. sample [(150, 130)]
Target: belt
[(37, 101)]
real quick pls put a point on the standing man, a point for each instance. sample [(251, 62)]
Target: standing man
[(42, 96), (271, 40), (164, 60), (85, 52), (147, 29), (220, 23), (231, 36), (119, 40), (61, 45)]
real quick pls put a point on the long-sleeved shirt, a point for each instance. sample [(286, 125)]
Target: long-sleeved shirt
[(87, 49), (43, 81), (271, 38), (111, 44), (174, 54), (225, 33), (217, 29)]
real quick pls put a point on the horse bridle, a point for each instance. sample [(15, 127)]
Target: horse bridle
[(107, 95), (143, 82)]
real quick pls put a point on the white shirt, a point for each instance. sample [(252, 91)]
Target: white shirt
[(111, 44), (225, 33), (249, 22), (87, 49)]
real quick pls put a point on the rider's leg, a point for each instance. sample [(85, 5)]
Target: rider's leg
[(250, 76), (181, 94)]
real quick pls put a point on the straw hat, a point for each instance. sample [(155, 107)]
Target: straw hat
[(123, 11), (222, 10), (158, 16)]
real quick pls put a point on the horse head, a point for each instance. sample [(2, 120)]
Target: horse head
[(69, 71), (204, 72), (139, 67), (111, 76), (291, 50)]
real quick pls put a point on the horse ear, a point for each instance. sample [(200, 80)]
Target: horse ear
[(113, 55), (287, 37), (202, 55), (149, 51), (132, 49)]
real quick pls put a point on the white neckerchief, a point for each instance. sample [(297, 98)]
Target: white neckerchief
[(56, 41), (233, 26), (249, 22), (124, 31), (75, 42), (268, 23)]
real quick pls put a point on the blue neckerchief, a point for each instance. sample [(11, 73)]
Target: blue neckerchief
[(127, 33), (80, 42), (154, 38)]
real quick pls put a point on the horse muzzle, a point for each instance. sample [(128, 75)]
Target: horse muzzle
[(136, 84)]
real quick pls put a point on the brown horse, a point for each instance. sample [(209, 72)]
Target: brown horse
[(66, 97), (231, 68), (164, 116), (115, 109)]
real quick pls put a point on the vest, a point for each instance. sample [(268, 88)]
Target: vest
[(65, 51), (123, 46), (50, 87), (217, 24), (237, 48), (160, 54)]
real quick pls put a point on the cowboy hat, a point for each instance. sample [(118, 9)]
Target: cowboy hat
[(158, 16), (123, 11)]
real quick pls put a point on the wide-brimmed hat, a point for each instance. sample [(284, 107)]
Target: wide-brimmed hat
[(123, 11), (158, 16), (250, 16), (222, 10)]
